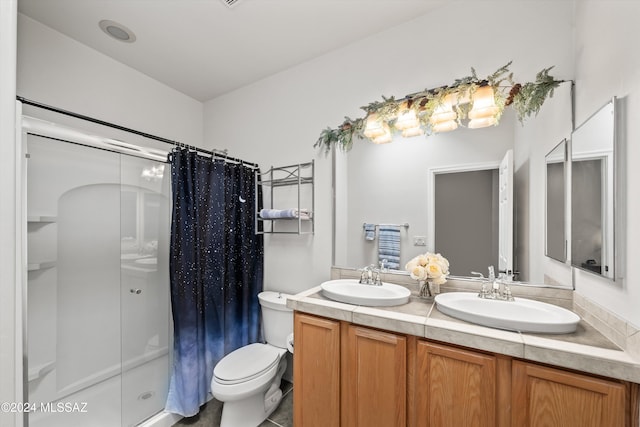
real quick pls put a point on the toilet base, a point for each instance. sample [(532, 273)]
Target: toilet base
[(252, 410), (249, 412)]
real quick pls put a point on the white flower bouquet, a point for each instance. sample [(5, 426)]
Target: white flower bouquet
[(429, 267)]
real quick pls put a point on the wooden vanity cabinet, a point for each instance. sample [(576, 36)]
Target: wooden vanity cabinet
[(545, 396), (316, 371), (347, 375), (375, 378), (454, 387), (353, 376)]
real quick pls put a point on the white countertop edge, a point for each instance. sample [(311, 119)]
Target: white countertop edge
[(478, 330), (620, 356), (391, 315), (595, 360)]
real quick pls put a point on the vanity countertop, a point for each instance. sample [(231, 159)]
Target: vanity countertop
[(584, 350)]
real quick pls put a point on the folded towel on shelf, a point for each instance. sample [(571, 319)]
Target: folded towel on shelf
[(285, 213), (389, 246), (370, 232)]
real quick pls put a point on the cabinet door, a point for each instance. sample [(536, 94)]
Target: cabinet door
[(316, 372), (374, 387), (544, 396), (454, 387)]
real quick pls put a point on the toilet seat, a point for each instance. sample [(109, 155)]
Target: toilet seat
[(246, 363)]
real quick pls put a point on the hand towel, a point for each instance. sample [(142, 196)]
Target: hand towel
[(389, 246), (284, 213), (370, 232)]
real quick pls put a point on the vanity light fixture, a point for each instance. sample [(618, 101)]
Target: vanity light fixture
[(407, 118), (444, 118), (407, 121), (374, 127), (485, 111), (470, 101), (411, 132), (385, 136)]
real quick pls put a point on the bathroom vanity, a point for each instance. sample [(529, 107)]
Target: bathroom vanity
[(412, 365)]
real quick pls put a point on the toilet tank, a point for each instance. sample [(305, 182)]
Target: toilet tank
[(277, 319)]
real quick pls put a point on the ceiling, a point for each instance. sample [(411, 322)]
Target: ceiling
[(204, 48)]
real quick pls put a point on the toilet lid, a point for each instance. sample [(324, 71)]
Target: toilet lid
[(246, 363)]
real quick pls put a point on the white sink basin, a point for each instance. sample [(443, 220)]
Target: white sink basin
[(522, 315), (352, 292)]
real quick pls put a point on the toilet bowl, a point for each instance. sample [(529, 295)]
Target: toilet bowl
[(247, 380)]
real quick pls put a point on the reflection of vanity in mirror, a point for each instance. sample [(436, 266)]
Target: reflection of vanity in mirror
[(140, 210), (593, 193), (446, 188)]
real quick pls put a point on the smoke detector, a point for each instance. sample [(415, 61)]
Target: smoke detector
[(230, 3)]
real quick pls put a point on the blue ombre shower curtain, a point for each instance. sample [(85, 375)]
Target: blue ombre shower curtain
[(216, 269)]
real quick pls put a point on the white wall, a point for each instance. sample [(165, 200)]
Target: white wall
[(607, 64), (276, 121), (10, 336), (56, 70)]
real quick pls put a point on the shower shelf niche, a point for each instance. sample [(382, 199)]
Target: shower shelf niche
[(299, 179), (35, 266), (37, 222), (42, 219), (40, 370)]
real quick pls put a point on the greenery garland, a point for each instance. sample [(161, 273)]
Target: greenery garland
[(527, 99)]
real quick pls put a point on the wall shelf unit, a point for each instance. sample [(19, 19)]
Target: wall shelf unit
[(294, 206)]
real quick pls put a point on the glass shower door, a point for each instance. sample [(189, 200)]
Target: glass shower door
[(73, 292), (98, 289), (144, 274)]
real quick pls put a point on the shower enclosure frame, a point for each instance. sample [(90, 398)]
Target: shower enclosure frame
[(26, 125), (29, 126)]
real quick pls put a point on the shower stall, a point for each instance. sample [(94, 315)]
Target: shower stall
[(96, 309)]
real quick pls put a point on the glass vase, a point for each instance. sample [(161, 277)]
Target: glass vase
[(428, 290)]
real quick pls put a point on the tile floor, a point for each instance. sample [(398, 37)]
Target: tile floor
[(211, 412)]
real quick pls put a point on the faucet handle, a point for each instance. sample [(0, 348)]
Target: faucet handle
[(364, 274), (506, 293), (377, 281), (480, 275)]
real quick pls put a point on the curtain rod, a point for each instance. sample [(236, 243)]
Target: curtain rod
[(217, 153)]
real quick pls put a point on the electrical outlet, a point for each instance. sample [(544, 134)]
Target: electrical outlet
[(419, 240)]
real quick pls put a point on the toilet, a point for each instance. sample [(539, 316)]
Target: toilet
[(247, 380)]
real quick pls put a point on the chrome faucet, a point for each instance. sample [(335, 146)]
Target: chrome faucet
[(497, 292), (370, 276)]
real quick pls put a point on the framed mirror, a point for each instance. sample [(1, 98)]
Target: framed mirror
[(593, 192), (555, 209)]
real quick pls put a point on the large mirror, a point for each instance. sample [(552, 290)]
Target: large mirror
[(442, 193), (593, 192), (555, 218)]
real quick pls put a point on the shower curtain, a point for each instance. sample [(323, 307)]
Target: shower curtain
[(216, 269)]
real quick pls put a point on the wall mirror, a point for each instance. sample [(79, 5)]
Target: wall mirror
[(398, 183), (593, 193), (555, 217)]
